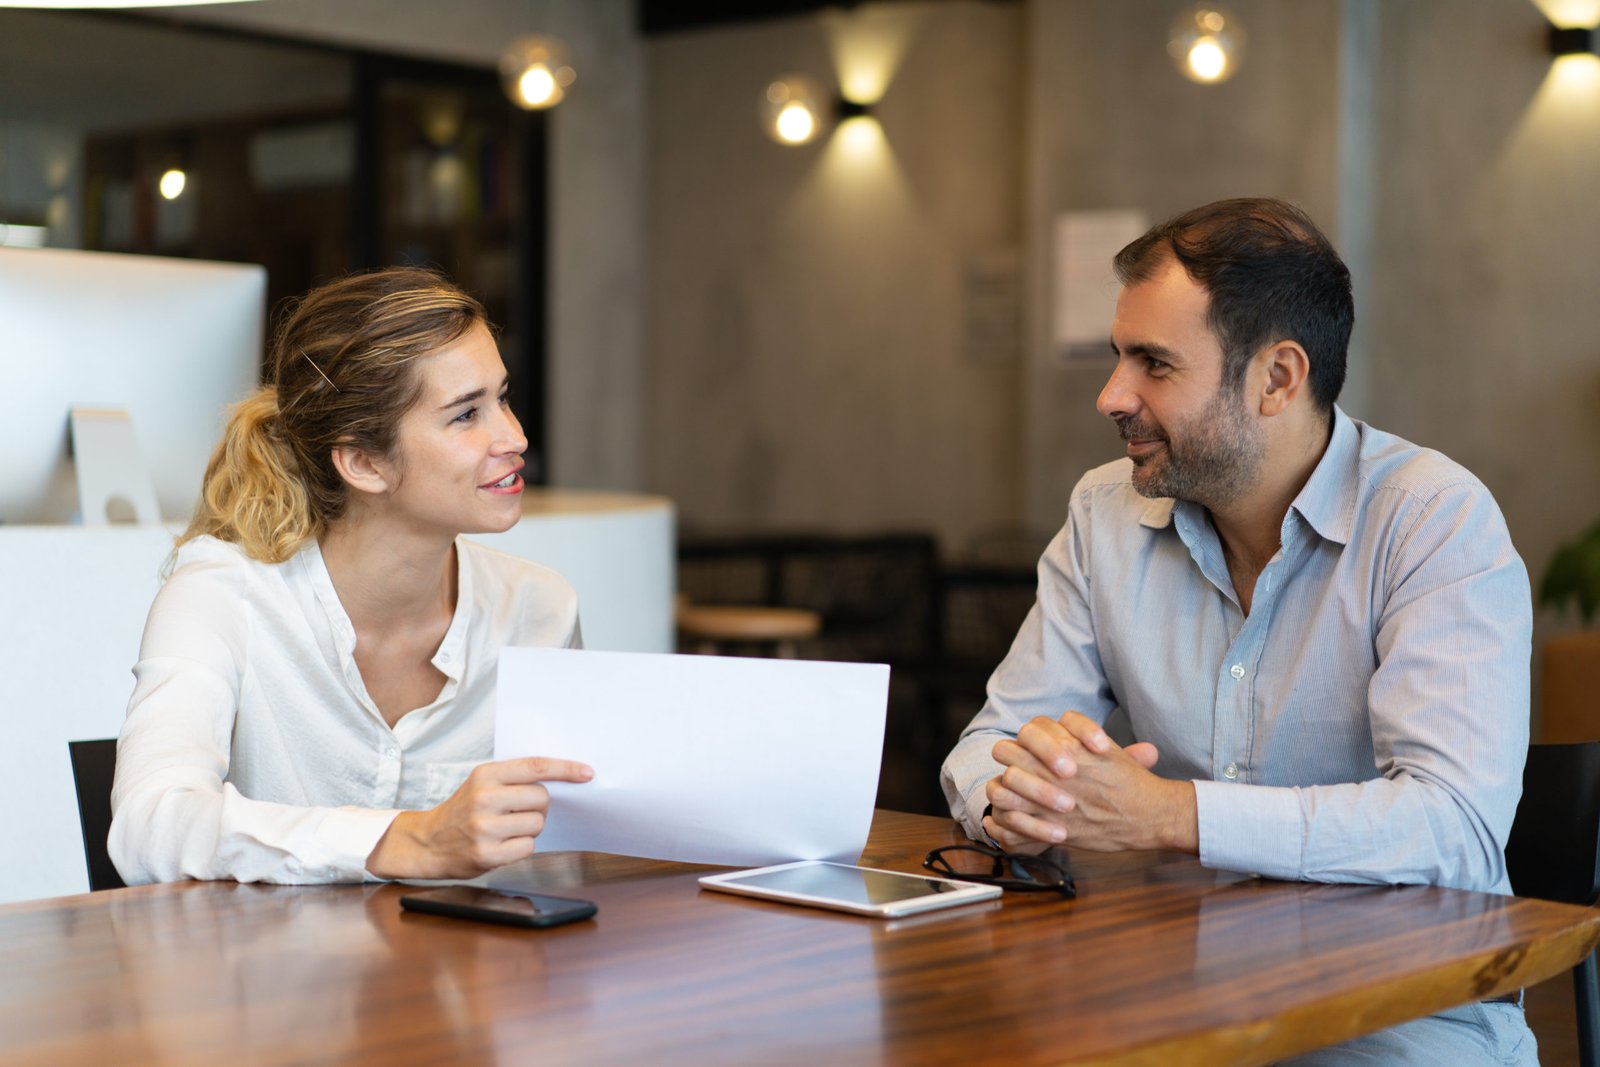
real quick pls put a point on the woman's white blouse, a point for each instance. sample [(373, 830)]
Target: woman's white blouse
[(252, 751)]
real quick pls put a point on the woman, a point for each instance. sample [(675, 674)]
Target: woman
[(314, 692)]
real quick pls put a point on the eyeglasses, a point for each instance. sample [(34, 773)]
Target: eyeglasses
[(1029, 874)]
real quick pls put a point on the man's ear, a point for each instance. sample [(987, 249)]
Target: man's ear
[(360, 471), (1284, 369)]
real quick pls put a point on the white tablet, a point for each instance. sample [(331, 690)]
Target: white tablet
[(862, 890)]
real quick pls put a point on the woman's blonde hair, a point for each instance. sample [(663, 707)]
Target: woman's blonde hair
[(341, 371)]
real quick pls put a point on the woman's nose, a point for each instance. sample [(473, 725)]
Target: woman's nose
[(511, 439)]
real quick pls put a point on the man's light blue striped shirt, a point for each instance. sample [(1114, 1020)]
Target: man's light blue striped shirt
[(1366, 722)]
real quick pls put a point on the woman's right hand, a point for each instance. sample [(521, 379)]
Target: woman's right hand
[(492, 820)]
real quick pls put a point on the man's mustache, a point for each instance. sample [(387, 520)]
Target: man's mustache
[(1133, 430)]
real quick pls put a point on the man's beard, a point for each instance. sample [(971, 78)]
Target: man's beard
[(1214, 460)]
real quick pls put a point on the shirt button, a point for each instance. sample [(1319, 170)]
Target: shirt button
[(391, 753), (1231, 771), (1237, 670), (444, 657)]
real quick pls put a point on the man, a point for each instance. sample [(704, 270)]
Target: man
[(1319, 632)]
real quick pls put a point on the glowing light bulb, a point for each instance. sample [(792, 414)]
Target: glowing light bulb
[(172, 183), (1206, 43), (795, 124), (789, 111), (1207, 61), (535, 72), (536, 86)]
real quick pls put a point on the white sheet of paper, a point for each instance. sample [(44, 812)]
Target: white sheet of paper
[(700, 759)]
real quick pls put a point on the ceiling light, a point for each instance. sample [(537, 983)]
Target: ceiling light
[(172, 183), (535, 72), (791, 111), (1207, 43)]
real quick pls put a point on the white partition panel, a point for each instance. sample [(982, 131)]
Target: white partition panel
[(619, 553), (72, 606)]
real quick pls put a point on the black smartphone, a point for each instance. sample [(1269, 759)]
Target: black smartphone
[(498, 906)]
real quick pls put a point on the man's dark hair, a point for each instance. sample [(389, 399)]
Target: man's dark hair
[(1271, 276)]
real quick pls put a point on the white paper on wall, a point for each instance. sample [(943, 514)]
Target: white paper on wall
[(1084, 294)]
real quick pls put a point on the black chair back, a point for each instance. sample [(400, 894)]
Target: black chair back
[(1554, 850), (94, 763), (1554, 854)]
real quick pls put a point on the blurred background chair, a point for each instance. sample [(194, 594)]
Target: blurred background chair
[(1554, 854)]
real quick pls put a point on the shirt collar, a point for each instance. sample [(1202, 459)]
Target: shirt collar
[(1158, 513), (1327, 501), (449, 658), (316, 570)]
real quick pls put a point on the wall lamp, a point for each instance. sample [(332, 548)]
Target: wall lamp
[(1574, 41), (795, 111)]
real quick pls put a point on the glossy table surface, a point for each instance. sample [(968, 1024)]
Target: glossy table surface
[(1158, 961)]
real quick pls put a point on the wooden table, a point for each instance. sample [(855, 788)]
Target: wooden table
[(1157, 961)]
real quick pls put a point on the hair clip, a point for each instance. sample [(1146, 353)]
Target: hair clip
[(318, 369)]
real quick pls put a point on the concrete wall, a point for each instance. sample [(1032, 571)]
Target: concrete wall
[(596, 191), (831, 326), (1485, 323), (1112, 124)]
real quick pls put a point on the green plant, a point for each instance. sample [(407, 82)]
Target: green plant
[(1574, 574)]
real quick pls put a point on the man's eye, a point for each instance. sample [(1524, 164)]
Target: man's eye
[(1158, 366)]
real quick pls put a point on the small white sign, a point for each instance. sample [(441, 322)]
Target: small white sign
[(1086, 287)]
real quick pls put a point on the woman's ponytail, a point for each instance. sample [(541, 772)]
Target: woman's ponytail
[(253, 494)]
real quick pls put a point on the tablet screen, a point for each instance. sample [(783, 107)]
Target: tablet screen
[(838, 882)]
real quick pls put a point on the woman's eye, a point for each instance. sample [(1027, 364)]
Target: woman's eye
[(467, 415)]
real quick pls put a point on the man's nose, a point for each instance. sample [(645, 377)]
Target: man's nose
[(1118, 397)]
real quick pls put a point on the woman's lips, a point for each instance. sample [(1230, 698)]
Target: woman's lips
[(514, 486)]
